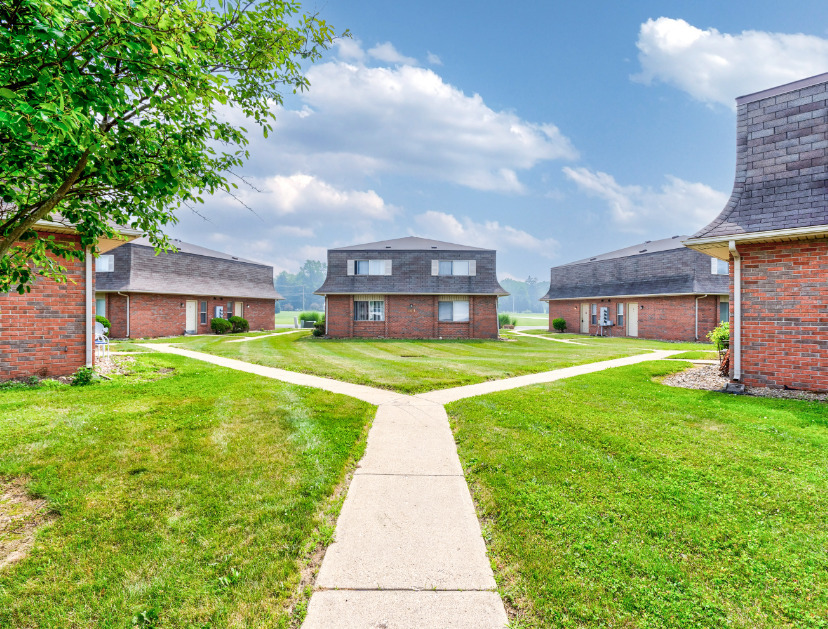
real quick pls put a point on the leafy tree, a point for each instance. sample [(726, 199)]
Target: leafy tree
[(296, 286), (115, 111)]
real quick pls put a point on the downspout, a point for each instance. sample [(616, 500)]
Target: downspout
[(736, 332), (697, 315), (127, 311), (90, 309)]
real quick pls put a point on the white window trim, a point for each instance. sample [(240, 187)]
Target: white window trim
[(371, 300), (454, 299), (109, 265), (435, 268)]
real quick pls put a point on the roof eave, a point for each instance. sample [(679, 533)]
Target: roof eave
[(718, 246)]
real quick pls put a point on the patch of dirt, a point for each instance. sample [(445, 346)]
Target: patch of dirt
[(707, 378), (107, 366), (20, 516)]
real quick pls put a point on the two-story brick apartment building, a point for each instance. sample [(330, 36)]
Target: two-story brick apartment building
[(411, 288), (146, 295), (774, 232), (50, 331), (657, 290)]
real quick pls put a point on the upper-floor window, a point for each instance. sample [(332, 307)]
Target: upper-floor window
[(454, 267), (105, 264), (369, 267), (719, 267)]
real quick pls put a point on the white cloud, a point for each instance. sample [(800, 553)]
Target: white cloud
[(305, 193), (387, 53), (433, 59), (359, 120), (716, 67), (678, 206), (488, 234)]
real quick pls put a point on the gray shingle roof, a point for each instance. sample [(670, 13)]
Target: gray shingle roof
[(660, 267), (192, 270), (411, 261), (781, 162), (410, 243)]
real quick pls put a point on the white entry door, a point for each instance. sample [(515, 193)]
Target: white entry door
[(238, 309), (191, 312), (584, 318), (632, 319)]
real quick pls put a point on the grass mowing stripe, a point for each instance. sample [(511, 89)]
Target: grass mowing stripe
[(191, 494), (611, 500), (416, 366)]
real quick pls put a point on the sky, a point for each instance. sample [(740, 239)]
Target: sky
[(549, 131)]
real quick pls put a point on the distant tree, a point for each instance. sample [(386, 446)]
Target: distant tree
[(296, 286), (110, 111)]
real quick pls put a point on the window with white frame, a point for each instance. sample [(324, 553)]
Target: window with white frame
[(456, 267), (724, 309), (619, 316), (594, 314), (100, 304), (105, 264), (369, 310), (455, 311), (369, 267), (719, 267), (203, 313)]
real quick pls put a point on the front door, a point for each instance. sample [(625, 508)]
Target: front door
[(238, 309), (584, 318), (632, 319), (191, 311)]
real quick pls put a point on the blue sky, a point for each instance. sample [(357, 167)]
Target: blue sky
[(549, 131)]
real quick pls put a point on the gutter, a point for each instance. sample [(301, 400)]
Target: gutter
[(736, 332), (697, 315), (127, 311), (90, 308)]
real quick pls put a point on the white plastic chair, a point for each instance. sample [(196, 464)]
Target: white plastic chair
[(101, 340)]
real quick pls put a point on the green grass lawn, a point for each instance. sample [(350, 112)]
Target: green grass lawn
[(610, 500), (410, 366), (183, 490), (698, 355), (530, 318)]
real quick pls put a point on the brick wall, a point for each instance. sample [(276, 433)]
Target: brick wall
[(662, 318), (785, 314), (43, 333), (412, 316), (153, 315)]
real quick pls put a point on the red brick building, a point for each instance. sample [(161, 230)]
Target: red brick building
[(656, 290), (411, 288), (145, 295), (774, 233), (50, 331)]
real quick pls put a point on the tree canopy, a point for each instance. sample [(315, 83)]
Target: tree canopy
[(114, 112)]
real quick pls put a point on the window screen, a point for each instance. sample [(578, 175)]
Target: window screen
[(104, 264), (718, 267), (203, 312), (100, 306), (620, 315), (361, 267), (594, 316), (724, 311), (369, 311), (376, 267), (445, 267), (460, 267), (457, 311)]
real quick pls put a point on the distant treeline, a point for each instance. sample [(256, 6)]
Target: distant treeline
[(297, 288), (524, 295)]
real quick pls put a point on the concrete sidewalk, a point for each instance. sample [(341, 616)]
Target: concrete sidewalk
[(408, 550)]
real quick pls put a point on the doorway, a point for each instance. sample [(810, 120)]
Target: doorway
[(584, 318), (632, 319), (190, 326)]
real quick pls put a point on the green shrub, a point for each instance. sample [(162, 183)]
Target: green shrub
[(559, 324), (310, 316), (239, 324), (220, 326), (720, 335), (83, 376), (505, 319), (319, 329), (104, 322)]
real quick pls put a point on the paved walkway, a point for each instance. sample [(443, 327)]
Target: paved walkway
[(408, 552)]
